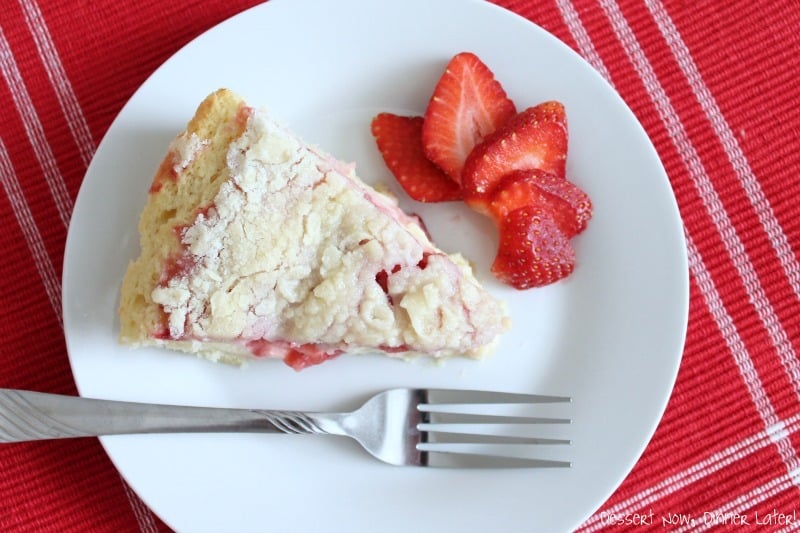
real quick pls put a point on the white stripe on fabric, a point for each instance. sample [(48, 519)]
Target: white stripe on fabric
[(579, 33), (58, 78), (717, 518), (143, 515), (33, 237), (82, 135), (52, 286), (697, 471), (34, 130), (739, 162), (794, 525)]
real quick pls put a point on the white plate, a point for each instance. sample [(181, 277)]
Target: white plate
[(611, 335)]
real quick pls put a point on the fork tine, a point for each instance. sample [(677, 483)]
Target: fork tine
[(441, 436), (455, 459), (452, 437), (476, 418), (452, 396)]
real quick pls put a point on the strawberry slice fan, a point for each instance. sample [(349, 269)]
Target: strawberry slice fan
[(473, 145)]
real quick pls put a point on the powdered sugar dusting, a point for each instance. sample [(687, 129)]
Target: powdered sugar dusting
[(290, 250), (184, 149)]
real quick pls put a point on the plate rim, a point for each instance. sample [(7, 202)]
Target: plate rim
[(685, 279)]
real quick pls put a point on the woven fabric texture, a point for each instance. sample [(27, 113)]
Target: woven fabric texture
[(713, 84)]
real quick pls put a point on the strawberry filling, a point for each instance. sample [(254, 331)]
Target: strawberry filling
[(179, 229), (239, 123), (308, 355), (382, 277), (166, 172), (162, 331), (177, 265), (393, 349), (297, 356), (180, 263)]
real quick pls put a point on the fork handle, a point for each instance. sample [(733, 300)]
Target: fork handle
[(28, 416)]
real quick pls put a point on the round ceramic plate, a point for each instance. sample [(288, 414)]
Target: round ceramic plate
[(610, 336)]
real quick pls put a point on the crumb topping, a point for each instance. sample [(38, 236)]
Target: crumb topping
[(184, 149), (292, 249)]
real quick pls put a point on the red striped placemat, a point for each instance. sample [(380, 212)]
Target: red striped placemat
[(713, 84)]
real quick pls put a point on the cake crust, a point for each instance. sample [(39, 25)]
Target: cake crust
[(172, 203), (255, 244)]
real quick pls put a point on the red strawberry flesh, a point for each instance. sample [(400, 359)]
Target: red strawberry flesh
[(569, 206), (510, 166), (399, 141), (468, 104), (533, 250), (534, 139)]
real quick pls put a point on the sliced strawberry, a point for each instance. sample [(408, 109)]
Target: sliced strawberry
[(566, 203), (573, 195), (399, 140), (533, 250), (534, 139), (468, 104)]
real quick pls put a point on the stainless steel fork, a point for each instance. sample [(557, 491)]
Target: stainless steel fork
[(417, 427)]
